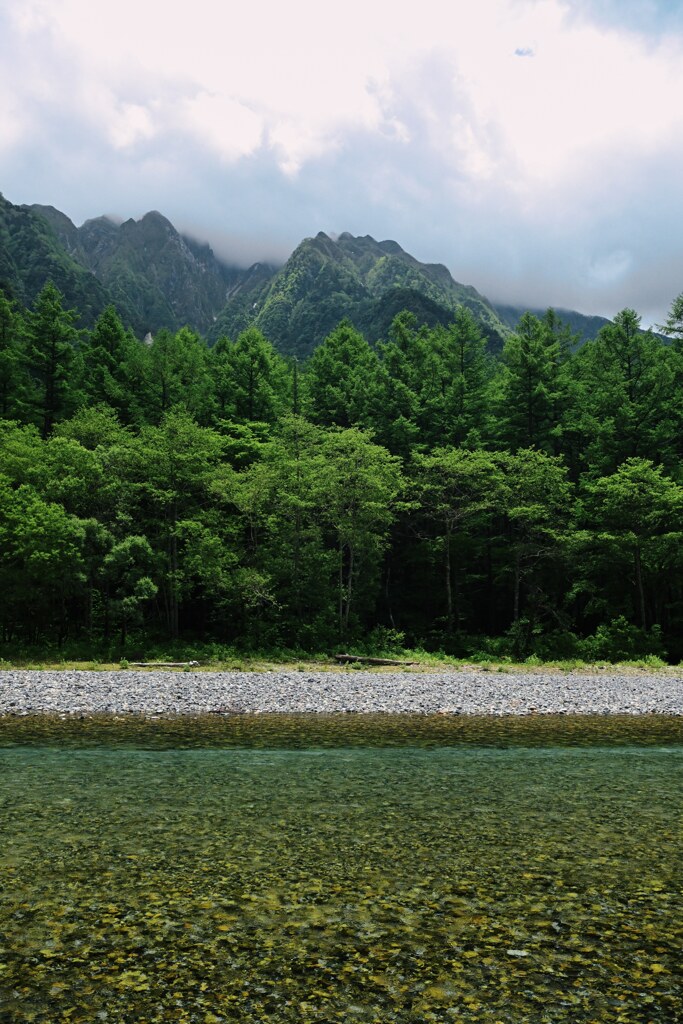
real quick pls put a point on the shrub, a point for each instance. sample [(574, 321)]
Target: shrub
[(620, 640)]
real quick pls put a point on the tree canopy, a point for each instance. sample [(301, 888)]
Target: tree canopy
[(171, 491)]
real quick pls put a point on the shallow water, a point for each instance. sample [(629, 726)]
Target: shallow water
[(501, 883)]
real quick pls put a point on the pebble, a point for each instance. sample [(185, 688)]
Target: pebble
[(286, 691)]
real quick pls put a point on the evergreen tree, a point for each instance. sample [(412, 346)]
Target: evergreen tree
[(342, 379), (176, 374), (400, 380), (279, 497), (673, 326), (627, 388), (42, 563), (13, 373), (52, 337), (537, 509), (529, 386), (125, 573), (250, 379), (359, 486), (112, 363), (456, 389), (173, 468)]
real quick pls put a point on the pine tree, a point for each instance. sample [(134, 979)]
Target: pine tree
[(13, 372), (529, 387), (342, 379), (52, 337), (112, 359)]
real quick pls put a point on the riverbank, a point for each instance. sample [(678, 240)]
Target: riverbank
[(151, 692)]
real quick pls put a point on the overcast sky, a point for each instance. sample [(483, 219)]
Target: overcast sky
[(533, 146)]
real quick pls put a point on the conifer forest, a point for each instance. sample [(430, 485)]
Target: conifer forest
[(418, 490)]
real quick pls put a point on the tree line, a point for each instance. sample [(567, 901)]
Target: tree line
[(416, 489)]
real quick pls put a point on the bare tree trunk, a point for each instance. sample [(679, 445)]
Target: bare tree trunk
[(173, 603), (173, 582), (490, 595), (349, 592), (341, 589), (518, 580), (639, 585), (88, 607), (387, 595), (449, 586), (296, 566)]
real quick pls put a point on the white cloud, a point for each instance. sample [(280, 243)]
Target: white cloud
[(129, 124), (377, 113), (309, 74), (30, 16), (223, 124), (12, 128)]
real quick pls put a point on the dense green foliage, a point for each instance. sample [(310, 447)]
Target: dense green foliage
[(30, 253), (368, 282), (419, 489), (155, 276)]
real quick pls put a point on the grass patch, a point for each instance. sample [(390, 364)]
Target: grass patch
[(212, 660)]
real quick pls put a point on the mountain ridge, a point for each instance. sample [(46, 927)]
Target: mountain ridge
[(352, 277), (158, 277)]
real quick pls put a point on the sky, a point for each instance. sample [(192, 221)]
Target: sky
[(533, 146)]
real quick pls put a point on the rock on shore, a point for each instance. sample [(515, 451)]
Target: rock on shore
[(289, 691)]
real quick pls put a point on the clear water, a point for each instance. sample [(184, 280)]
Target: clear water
[(499, 883)]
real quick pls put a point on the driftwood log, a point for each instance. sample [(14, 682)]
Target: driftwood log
[(163, 664), (346, 659)]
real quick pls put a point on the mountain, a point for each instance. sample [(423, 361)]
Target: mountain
[(325, 280), (31, 252), (584, 327), (155, 276), (158, 277)]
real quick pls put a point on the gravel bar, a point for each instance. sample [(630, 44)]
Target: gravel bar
[(25, 692)]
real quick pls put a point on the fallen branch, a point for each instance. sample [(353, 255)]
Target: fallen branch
[(350, 658)]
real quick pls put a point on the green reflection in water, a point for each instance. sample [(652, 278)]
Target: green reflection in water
[(348, 884), (304, 731)]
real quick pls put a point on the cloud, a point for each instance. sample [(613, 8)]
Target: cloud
[(129, 124), (222, 123), (552, 179)]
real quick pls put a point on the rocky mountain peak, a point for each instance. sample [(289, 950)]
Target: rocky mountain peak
[(391, 247)]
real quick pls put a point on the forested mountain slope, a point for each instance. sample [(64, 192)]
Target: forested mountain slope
[(158, 278), (368, 282), (582, 326), (32, 253), (155, 276)]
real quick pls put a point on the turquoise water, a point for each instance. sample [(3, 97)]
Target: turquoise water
[(452, 883)]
